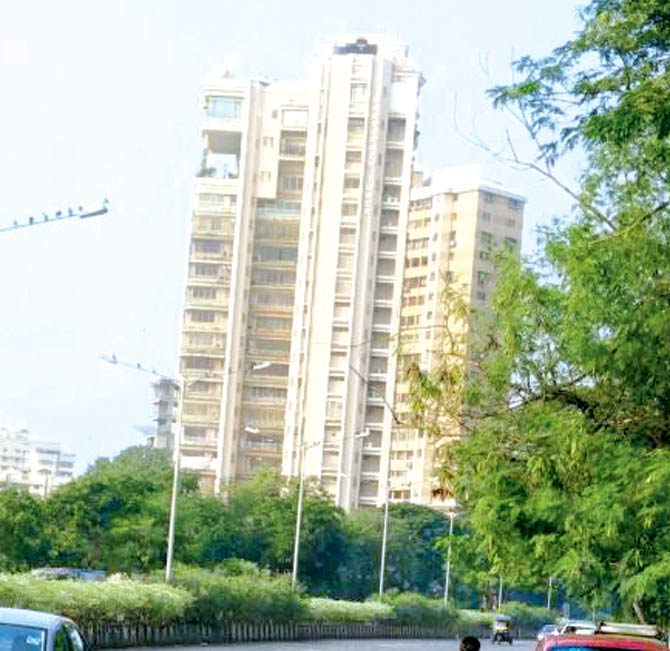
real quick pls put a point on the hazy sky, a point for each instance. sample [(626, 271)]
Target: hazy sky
[(100, 99)]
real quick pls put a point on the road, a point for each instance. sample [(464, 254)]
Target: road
[(354, 645)]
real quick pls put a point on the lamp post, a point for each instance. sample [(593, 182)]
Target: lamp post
[(551, 579), (180, 384), (447, 575), (80, 213), (301, 493), (500, 592), (382, 565)]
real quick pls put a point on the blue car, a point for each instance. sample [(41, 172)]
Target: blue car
[(31, 630)]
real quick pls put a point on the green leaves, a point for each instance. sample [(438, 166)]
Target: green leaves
[(567, 395)]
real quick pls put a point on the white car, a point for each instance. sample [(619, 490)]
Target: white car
[(31, 630), (547, 629)]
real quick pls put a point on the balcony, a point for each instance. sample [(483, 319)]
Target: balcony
[(292, 148)]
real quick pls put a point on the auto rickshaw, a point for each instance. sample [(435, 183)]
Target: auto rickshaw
[(501, 630)]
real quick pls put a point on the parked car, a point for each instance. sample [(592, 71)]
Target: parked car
[(547, 629), (31, 630), (607, 636)]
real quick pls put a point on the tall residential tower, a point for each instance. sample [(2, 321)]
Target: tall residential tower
[(293, 286)]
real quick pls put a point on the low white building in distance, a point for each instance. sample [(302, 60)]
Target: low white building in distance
[(32, 463)]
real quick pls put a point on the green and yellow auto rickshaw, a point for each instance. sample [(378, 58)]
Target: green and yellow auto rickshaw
[(501, 630)]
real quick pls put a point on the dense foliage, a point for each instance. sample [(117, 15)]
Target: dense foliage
[(567, 391), (115, 518)]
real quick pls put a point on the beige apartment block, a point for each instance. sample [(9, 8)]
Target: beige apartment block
[(457, 220), (294, 277)]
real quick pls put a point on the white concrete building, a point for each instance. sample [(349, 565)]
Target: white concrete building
[(293, 290), (31, 463)]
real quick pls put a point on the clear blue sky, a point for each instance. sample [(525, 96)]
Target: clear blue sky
[(100, 99)]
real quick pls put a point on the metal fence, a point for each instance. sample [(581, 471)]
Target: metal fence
[(105, 636)]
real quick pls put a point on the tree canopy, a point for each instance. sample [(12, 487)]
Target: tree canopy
[(566, 388)]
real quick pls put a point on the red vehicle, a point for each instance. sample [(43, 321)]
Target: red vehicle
[(607, 636)]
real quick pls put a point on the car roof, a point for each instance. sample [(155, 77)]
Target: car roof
[(34, 618), (608, 640)]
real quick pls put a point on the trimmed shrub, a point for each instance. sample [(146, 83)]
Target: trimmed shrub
[(528, 617), (412, 608), (333, 610), (218, 597), (88, 603)]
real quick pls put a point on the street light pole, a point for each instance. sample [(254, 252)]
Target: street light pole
[(298, 521), (175, 486), (301, 491), (382, 565), (549, 594), (447, 576), (500, 587)]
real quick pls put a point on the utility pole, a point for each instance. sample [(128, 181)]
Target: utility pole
[(80, 212), (382, 565), (448, 571)]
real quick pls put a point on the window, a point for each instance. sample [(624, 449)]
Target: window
[(268, 141), (76, 641), (224, 107), (292, 147), (294, 118), (452, 238), (349, 209), (207, 246), (290, 183), (481, 296), (511, 242), (266, 176), (511, 222), (352, 182), (486, 217), (207, 293), (30, 639), (359, 92), (489, 197), (203, 316), (483, 278), (486, 238), (356, 126), (60, 640), (514, 204)]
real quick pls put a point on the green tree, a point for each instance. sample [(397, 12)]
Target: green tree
[(263, 513), (23, 542), (566, 388)]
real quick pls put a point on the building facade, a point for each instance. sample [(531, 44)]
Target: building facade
[(32, 464), (308, 265), (293, 287), (457, 221)]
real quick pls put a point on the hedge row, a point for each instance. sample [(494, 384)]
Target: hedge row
[(87, 603), (213, 597)]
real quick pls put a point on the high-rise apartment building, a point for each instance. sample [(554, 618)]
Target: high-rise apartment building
[(293, 288), (308, 267), (33, 464), (457, 221)]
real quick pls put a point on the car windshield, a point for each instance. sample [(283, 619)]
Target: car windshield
[(21, 638)]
